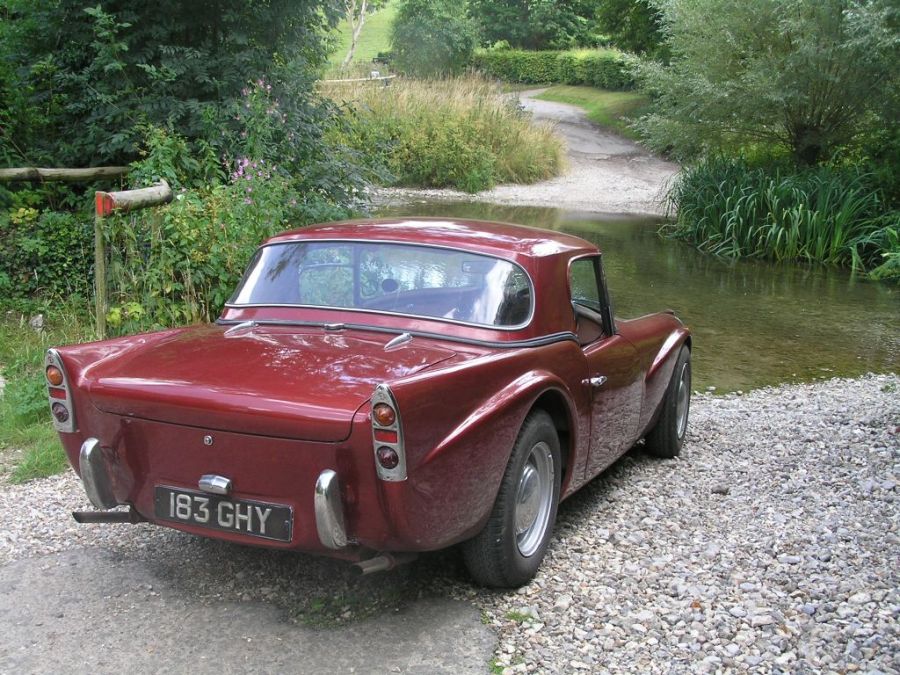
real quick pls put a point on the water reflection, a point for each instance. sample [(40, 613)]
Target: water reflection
[(755, 323)]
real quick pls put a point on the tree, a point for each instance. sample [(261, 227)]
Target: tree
[(632, 25), (98, 71), (432, 37), (533, 24), (355, 12), (805, 74)]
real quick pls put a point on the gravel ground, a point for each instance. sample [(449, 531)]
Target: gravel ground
[(607, 173), (772, 544)]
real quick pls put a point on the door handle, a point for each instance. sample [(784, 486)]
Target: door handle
[(596, 382)]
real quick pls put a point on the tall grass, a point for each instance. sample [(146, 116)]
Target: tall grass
[(464, 133), (29, 446), (823, 215)]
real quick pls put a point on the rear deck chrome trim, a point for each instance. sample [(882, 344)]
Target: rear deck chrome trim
[(330, 511)]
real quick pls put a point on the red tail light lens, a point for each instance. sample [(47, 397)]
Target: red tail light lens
[(60, 412), (54, 376), (384, 415), (387, 457), (386, 436)]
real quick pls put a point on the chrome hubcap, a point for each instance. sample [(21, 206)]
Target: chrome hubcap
[(682, 399), (534, 496)]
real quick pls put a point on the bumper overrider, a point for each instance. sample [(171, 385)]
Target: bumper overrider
[(95, 476)]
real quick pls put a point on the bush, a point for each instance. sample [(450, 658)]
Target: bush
[(45, 253), (461, 133), (825, 215), (179, 263), (601, 68)]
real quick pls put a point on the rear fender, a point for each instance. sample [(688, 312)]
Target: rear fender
[(660, 373), (452, 483)]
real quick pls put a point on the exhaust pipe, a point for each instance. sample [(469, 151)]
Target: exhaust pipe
[(381, 563), (129, 516)]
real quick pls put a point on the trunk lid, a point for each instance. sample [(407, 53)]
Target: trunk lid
[(286, 382)]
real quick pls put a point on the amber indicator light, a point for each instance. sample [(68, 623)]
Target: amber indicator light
[(54, 376), (384, 415)]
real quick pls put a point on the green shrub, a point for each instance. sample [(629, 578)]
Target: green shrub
[(179, 263), (601, 68), (463, 133), (825, 215), (45, 252)]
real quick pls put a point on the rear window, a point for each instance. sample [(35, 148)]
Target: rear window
[(404, 279)]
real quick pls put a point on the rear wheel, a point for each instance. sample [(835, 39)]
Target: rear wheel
[(667, 436), (509, 550)]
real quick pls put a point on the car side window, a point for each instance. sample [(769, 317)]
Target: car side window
[(589, 300), (584, 284)]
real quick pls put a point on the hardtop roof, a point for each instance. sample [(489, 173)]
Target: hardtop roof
[(493, 238)]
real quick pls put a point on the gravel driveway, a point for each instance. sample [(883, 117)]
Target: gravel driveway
[(772, 544), (607, 173)]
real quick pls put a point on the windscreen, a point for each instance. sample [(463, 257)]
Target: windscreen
[(391, 278)]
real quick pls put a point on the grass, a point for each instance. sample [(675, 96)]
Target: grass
[(609, 109), (29, 446), (464, 133), (374, 38), (518, 617)]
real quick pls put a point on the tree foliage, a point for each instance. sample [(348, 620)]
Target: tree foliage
[(810, 75), (535, 24), (632, 25), (432, 37), (88, 75)]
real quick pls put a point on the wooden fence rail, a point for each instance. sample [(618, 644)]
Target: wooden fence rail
[(67, 175)]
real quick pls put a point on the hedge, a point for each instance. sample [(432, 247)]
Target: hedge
[(601, 68)]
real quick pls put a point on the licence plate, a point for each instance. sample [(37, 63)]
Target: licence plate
[(258, 519)]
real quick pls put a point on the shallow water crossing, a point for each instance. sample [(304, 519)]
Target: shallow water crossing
[(755, 323)]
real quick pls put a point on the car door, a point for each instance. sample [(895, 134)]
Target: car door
[(614, 377)]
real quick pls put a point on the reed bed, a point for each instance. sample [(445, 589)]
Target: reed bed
[(463, 133), (823, 215)]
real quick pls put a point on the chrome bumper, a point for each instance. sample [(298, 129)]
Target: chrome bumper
[(94, 475), (330, 511)]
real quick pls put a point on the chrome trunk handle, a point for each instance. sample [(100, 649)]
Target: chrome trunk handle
[(216, 485)]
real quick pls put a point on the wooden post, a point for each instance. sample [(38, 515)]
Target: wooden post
[(100, 302), (105, 204)]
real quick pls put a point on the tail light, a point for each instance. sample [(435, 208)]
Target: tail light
[(387, 435), (59, 392)]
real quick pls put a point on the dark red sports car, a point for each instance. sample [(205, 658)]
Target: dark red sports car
[(376, 388)]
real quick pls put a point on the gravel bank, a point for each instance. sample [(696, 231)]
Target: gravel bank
[(607, 173), (772, 544)]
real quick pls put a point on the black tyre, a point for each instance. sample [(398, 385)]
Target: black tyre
[(509, 550), (667, 436)]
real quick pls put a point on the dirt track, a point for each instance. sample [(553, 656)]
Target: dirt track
[(607, 173)]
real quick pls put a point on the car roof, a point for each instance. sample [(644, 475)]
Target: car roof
[(493, 238)]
